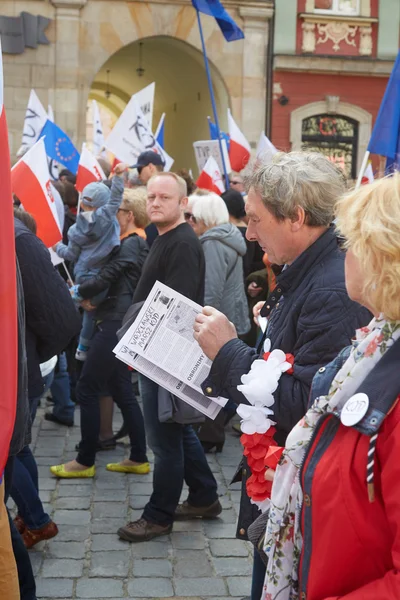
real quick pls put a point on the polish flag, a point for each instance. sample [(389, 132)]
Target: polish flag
[(89, 170), (30, 181), (265, 149), (368, 176), (239, 147), (211, 178), (8, 292)]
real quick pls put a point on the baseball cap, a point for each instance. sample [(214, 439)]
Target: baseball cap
[(146, 158)]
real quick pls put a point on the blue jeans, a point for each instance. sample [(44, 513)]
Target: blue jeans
[(103, 371), (64, 408), (178, 456)]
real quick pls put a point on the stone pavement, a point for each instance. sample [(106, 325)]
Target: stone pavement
[(199, 560)]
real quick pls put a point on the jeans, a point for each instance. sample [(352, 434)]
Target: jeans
[(101, 371), (87, 331), (26, 579), (178, 456), (60, 390), (257, 581)]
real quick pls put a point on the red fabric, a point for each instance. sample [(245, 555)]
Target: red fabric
[(239, 156), (355, 552), (205, 182), (8, 301)]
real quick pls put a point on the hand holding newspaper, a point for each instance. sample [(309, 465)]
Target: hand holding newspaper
[(160, 345)]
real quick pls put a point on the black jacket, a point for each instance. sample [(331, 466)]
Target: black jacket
[(120, 276), (50, 315), (311, 317)]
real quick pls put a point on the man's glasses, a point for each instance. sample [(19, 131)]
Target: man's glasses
[(123, 210), (189, 217), (139, 169)]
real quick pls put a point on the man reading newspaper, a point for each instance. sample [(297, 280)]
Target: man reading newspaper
[(175, 259)]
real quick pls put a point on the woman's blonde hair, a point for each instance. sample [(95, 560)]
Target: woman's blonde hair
[(369, 220), (135, 200)]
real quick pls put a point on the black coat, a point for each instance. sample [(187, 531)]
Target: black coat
[(311, 317), (50, 314), (120, 276)]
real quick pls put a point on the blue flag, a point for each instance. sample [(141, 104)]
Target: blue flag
[(385, 138), (59, 147), (214, 133), (227, 25)]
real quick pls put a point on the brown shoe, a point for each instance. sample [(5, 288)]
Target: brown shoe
[(186, 511), (19, 524), (31, 537), (142, 531)]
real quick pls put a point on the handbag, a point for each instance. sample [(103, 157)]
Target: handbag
[(256, 534), (172, 409)]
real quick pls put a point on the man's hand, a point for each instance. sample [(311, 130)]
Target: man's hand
[(212, 330), (256, 311), (120, 168), (87, 305)]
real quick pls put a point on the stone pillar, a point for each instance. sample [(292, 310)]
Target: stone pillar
[(256, 31), (68, 96)]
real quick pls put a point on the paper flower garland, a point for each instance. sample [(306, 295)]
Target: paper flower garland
[(258, 387)]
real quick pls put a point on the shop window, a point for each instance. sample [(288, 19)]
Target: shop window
[(336, 137), (338, 7)]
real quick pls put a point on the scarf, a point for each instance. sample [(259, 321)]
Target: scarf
[(283, 539)]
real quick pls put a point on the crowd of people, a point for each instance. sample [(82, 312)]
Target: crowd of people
[(287, 243)]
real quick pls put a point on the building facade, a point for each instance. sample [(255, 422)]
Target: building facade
[(332, 60)]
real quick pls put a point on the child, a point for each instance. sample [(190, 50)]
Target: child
[(91, 240)]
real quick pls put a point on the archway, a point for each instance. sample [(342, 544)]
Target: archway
[(181, 92)]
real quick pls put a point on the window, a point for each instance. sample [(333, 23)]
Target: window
[(336, 137), (338, 7)]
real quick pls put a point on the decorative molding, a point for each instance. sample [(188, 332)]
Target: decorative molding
[(352, 111), (365, 41), (308, 42), (351, 20), (337, 32), (256, 17), (332, 104), (77, 4), (334, 65)]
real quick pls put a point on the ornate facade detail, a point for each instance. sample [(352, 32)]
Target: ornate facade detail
[(308, 44), (365, 41), (332, 104), (337, 32)]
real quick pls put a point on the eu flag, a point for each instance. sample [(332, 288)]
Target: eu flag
[(214, 133), (59, 147), (385, 138), (227, 25)]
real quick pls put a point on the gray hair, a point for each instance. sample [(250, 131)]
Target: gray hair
[(211, 209), (299, 179)]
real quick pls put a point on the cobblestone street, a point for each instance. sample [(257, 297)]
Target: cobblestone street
[(200, 559)]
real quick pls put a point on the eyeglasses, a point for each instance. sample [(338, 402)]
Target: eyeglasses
[(235, 182), (123, 210), (189, 217), (139, 169)]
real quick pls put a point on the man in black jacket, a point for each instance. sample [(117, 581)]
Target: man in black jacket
[(290, 207)]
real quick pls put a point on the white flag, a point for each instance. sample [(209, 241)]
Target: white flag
[(35, 119), (98, 136), (132, 135), (265, 149), (50, 113), (145, 99)]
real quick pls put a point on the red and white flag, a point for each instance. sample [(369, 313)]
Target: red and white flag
[(368, 176), (211, 178), (30, 181), (8, 292), (239, 147), (89, 170)]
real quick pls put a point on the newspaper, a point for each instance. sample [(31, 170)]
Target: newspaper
[(160, 345)]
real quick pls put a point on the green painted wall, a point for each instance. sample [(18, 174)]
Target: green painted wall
[(285, 26), (389, 28)]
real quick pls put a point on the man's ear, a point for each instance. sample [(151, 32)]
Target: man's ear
[(298, 220), (184, 202)]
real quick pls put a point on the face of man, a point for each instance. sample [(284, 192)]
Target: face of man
[(164, 205), (145, 173), (237, 183), (275, 237)]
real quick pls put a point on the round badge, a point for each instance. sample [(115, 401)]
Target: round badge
[(355, 409)]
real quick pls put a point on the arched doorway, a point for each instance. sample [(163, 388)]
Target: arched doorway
[(178, 70)]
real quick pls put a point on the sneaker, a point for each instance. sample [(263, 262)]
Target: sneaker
[(31, 537), (142, 531), (80, 355), (186, 511)]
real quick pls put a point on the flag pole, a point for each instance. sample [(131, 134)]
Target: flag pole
[(362, 170), (71, 281), (214, 106)]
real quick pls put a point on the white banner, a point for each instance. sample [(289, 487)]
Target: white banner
[(35, 119), (98, 136), (145, 99), (206, 148)]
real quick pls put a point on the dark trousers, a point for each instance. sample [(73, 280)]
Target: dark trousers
[(26, 579), (103, 371), (257, 582), (178, 456)]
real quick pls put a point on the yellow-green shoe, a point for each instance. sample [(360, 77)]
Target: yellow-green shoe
[(59, 471), (141, 469)]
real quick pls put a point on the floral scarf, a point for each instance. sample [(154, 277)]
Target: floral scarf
[(283, 539)]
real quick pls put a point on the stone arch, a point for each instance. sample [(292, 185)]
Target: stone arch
[(335, 106)]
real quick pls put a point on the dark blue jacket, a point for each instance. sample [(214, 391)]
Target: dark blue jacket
[(310, 316)]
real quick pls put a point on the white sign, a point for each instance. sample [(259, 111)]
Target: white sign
[(206, 148)]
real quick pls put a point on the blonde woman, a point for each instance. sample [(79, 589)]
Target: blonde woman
[(334, 521)]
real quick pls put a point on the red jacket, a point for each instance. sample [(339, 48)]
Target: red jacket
[(351, 548)]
